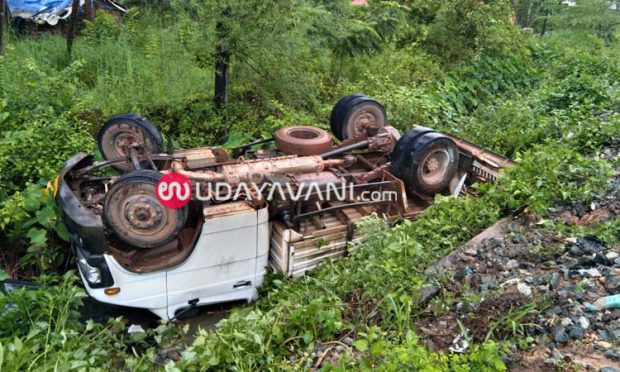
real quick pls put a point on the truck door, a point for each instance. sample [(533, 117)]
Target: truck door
[(222, 266)]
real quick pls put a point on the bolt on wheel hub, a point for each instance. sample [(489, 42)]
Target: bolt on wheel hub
[(143, 213)]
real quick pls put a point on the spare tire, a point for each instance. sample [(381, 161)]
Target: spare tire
[(303, 140), (427, 164), (133, 215), (361, 117), (122, 130)]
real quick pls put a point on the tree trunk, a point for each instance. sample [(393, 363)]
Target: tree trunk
[(222, 59), (89, 9), (543, 29), (2, 17), (72, 26)]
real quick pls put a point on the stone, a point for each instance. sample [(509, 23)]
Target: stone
[(557, 356), (553, 311), (554, 282), (511, 265), (559, 335), (575, 250), (428, 293), (487, 282), (612, 354), (612, 255), (609, 369), (584, 322), (604, 345), (601, 332), (524, 289), (591, 244), (566, 322), (576, 333), (592, 273), (495, 243), (542, 280), (471, 251)]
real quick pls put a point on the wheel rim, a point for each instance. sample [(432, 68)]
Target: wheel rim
[(118, 138), (365, 123), (142, 215), (121, 141), (434, 167)]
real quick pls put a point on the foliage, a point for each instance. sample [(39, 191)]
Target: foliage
[(34, 235), (590, 16), (462, 30), (41, 329), (460, 66), (532, 13), (548, 174)]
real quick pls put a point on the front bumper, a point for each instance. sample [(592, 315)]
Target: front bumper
[(88, 240)]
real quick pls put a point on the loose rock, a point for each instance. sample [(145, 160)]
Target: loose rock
[(559, 335)]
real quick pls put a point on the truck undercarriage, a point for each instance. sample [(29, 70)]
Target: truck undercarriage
[(289, 207)]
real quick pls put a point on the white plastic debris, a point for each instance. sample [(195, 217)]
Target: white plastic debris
[(459, 345)]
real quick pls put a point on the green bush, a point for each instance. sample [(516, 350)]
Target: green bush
[(457, 66), (41, 329)]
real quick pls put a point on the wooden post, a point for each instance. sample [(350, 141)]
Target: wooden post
[(2, 18), (72, 26)]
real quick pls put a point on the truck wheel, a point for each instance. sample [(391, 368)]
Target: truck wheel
[(120, 131), (402, 146), (303, 140), (337, 114), (428, 163), (362, 117), (135, 217)]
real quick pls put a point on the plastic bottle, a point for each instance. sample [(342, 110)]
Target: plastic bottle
[(607, 302)]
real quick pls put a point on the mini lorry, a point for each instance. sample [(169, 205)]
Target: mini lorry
[(170, 231)]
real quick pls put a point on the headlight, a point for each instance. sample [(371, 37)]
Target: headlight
[(92, 274)]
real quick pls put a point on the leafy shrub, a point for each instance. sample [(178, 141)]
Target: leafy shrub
[(462, 30), (41, 328), (34, 237), (104, 27), (38, 149), (549, 173)]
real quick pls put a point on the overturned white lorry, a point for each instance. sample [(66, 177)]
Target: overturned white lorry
[(172, 231)]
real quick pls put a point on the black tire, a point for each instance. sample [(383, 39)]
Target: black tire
[(124, 128), (354, 113), (403, 145), (427, 164), (337, 114), (133, 216)]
